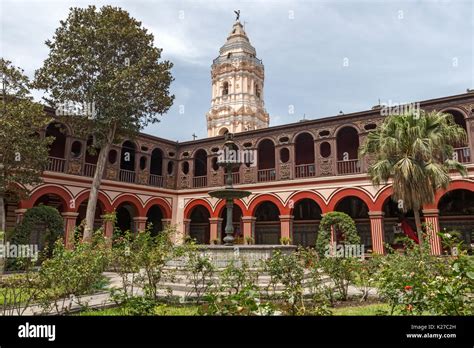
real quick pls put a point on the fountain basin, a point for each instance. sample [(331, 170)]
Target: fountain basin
[(253, 255), (229, 193)]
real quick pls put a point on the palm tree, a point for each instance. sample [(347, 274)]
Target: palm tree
[(416, 151)]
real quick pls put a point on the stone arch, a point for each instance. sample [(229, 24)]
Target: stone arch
[(454, 185), (162, 203), (267, 197), (195, 202), (132, 200), (64, 195), (102, 197), (221, 205), (199, 224), (345, 192), (297, 196), (382, 196)]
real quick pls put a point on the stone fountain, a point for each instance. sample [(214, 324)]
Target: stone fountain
[(229, 193), (221, 255)]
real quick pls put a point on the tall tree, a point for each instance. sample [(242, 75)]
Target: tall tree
[(23, 153), (104, 60), (416, 151)]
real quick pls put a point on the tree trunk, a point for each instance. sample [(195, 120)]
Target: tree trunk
[(2, 229), (93, 195), (418, 226), (2, 213)]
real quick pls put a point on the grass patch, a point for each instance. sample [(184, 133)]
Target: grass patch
[(368, 309), (191, 310), (163, 309)]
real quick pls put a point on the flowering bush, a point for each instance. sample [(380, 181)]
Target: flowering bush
[(418, 283), (289, 271)]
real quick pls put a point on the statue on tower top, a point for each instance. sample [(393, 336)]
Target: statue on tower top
[(237, 14)]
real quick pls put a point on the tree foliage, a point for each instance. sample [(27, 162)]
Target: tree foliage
[(23, 153), (104, 59), (416, 151)]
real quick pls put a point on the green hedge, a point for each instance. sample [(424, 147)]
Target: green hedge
[(48, 218), (341, 222)]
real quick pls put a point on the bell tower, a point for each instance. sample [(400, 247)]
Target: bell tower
[(237, 87)]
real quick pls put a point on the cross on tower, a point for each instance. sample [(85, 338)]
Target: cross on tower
[(194, 136)]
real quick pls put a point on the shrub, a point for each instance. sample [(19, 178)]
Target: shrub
[(141, 259), (418, 283), (70, 273), (340, 222), (42, 217), (289, 271), (342, 271), (237, 293), (200, 270)]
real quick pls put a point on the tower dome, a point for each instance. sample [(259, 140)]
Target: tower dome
[(237, 87)]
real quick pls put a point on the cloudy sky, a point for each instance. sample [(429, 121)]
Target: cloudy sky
[(395, 51)]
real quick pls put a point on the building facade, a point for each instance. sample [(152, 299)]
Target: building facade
[(302, 171)]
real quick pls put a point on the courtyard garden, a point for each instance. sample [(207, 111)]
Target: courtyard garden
[(145, 274)]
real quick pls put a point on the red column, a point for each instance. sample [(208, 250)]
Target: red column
[(286, 226), (215, 229), (377, 231), (69, 227), (20, 213), (108, 227), (249, 227), (432, 228), (165, 223), (139, 223), (186, 227)]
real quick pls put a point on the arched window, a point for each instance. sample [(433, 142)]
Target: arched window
[(304, 156), (347, 142), (58, 132), (127, 162), (225, 88), (156, 164), (266, 160)]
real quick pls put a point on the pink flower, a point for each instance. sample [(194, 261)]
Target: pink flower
[(408, 288)]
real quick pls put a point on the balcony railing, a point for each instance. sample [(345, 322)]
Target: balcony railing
[(156, 180), (236, 178), (56, 164), (463, 154), (89, 169), (200, 181), (127, 176), (348, 167), (305, 170), (266, 175)]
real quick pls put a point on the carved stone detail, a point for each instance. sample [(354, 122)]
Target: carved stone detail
[(249, 174), (143, 177), (285, 171), (111, 173), (184, 182), (74, 167), (325, 167)]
